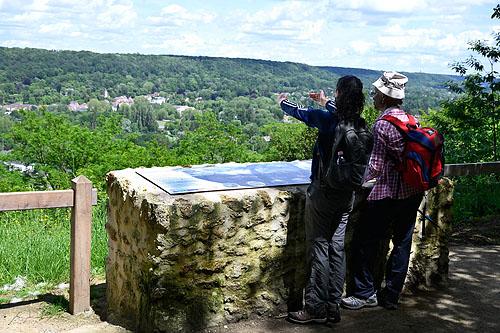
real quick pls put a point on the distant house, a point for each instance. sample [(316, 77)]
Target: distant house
[(76, 107), (17, 106), (14, 165), (121, 100), (182, 108), (156, 99), (161, 124)]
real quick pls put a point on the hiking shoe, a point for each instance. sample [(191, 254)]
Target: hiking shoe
[(385, 302), (303, 317), (334, 314), (354, 303), (388, 305)]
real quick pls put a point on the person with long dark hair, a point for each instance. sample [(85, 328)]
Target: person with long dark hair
[(327, 210)]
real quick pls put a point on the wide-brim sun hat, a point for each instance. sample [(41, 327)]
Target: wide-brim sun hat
[(392, 84)]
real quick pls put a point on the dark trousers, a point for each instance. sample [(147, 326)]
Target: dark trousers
[(377, 221), (327, 213)]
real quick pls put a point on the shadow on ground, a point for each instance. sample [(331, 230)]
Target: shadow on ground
[(470, 303), (97, 299)]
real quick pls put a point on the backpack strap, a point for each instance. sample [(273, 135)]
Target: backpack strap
[(339, 134), (401, 125)]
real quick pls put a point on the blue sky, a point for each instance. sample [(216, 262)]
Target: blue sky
[(419, 35)]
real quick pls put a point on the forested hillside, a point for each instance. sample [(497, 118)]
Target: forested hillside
[(39, 76)]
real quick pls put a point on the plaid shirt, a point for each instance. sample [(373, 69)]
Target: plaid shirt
[(387, 153)]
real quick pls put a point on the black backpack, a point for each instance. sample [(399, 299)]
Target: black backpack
[(351, 150)]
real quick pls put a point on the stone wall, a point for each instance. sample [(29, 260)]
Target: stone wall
[(429, 265), (185, 262)]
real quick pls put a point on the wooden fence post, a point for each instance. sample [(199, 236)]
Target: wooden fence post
[(81, 223)]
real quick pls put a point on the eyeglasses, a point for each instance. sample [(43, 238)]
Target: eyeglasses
[(372, 92)]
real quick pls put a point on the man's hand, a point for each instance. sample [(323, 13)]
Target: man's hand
[(282, 97), (319, 98)]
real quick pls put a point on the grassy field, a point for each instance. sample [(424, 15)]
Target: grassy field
[(35, 245)]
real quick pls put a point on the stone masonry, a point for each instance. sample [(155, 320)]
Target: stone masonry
[(186, 262)]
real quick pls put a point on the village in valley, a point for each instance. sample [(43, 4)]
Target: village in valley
[(115, 103)]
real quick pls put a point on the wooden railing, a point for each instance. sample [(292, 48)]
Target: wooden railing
[(471, 169), (80, 199)]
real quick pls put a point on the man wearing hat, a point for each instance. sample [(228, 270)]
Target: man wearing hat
[(391, 204)]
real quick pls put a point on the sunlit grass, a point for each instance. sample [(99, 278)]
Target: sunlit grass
[(36, 245), (476, 197)]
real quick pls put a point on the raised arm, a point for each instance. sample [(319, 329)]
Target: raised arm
[(318, 118)]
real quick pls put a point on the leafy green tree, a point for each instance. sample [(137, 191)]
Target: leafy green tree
[(61, 150), (471, 121), (95, 109), (148, 87), (213, 142), (289, 142), (6, 124), (142, 115), (12, 181), (370, 114)]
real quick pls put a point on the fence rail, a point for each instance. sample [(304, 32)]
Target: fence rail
[(42, 200), (80, 199), (469, 169)]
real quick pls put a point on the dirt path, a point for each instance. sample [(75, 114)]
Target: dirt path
[(471, 303)]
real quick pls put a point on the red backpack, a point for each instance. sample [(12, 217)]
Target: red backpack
[(423, 155)]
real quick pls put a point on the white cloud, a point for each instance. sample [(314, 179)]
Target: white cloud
[(297, 20), (33, 12), (116, 16), (383, 6), (56, 28), (396, 9), (187, 43), (17, 43), (361, 47), (427, 39), (179, 16), (454, 43)]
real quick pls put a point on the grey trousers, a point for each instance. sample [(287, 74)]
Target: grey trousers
[(327, 213)]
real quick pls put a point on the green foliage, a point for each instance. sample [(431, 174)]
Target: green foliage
[(476, 196), (12, 181), (35, 244), (370, 114), (213, 142), (289, 142), (61, 150), (471, 121), (142, 115), (6, 123), (470, 125)]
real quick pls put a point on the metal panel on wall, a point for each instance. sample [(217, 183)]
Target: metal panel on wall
[(228, 176)]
